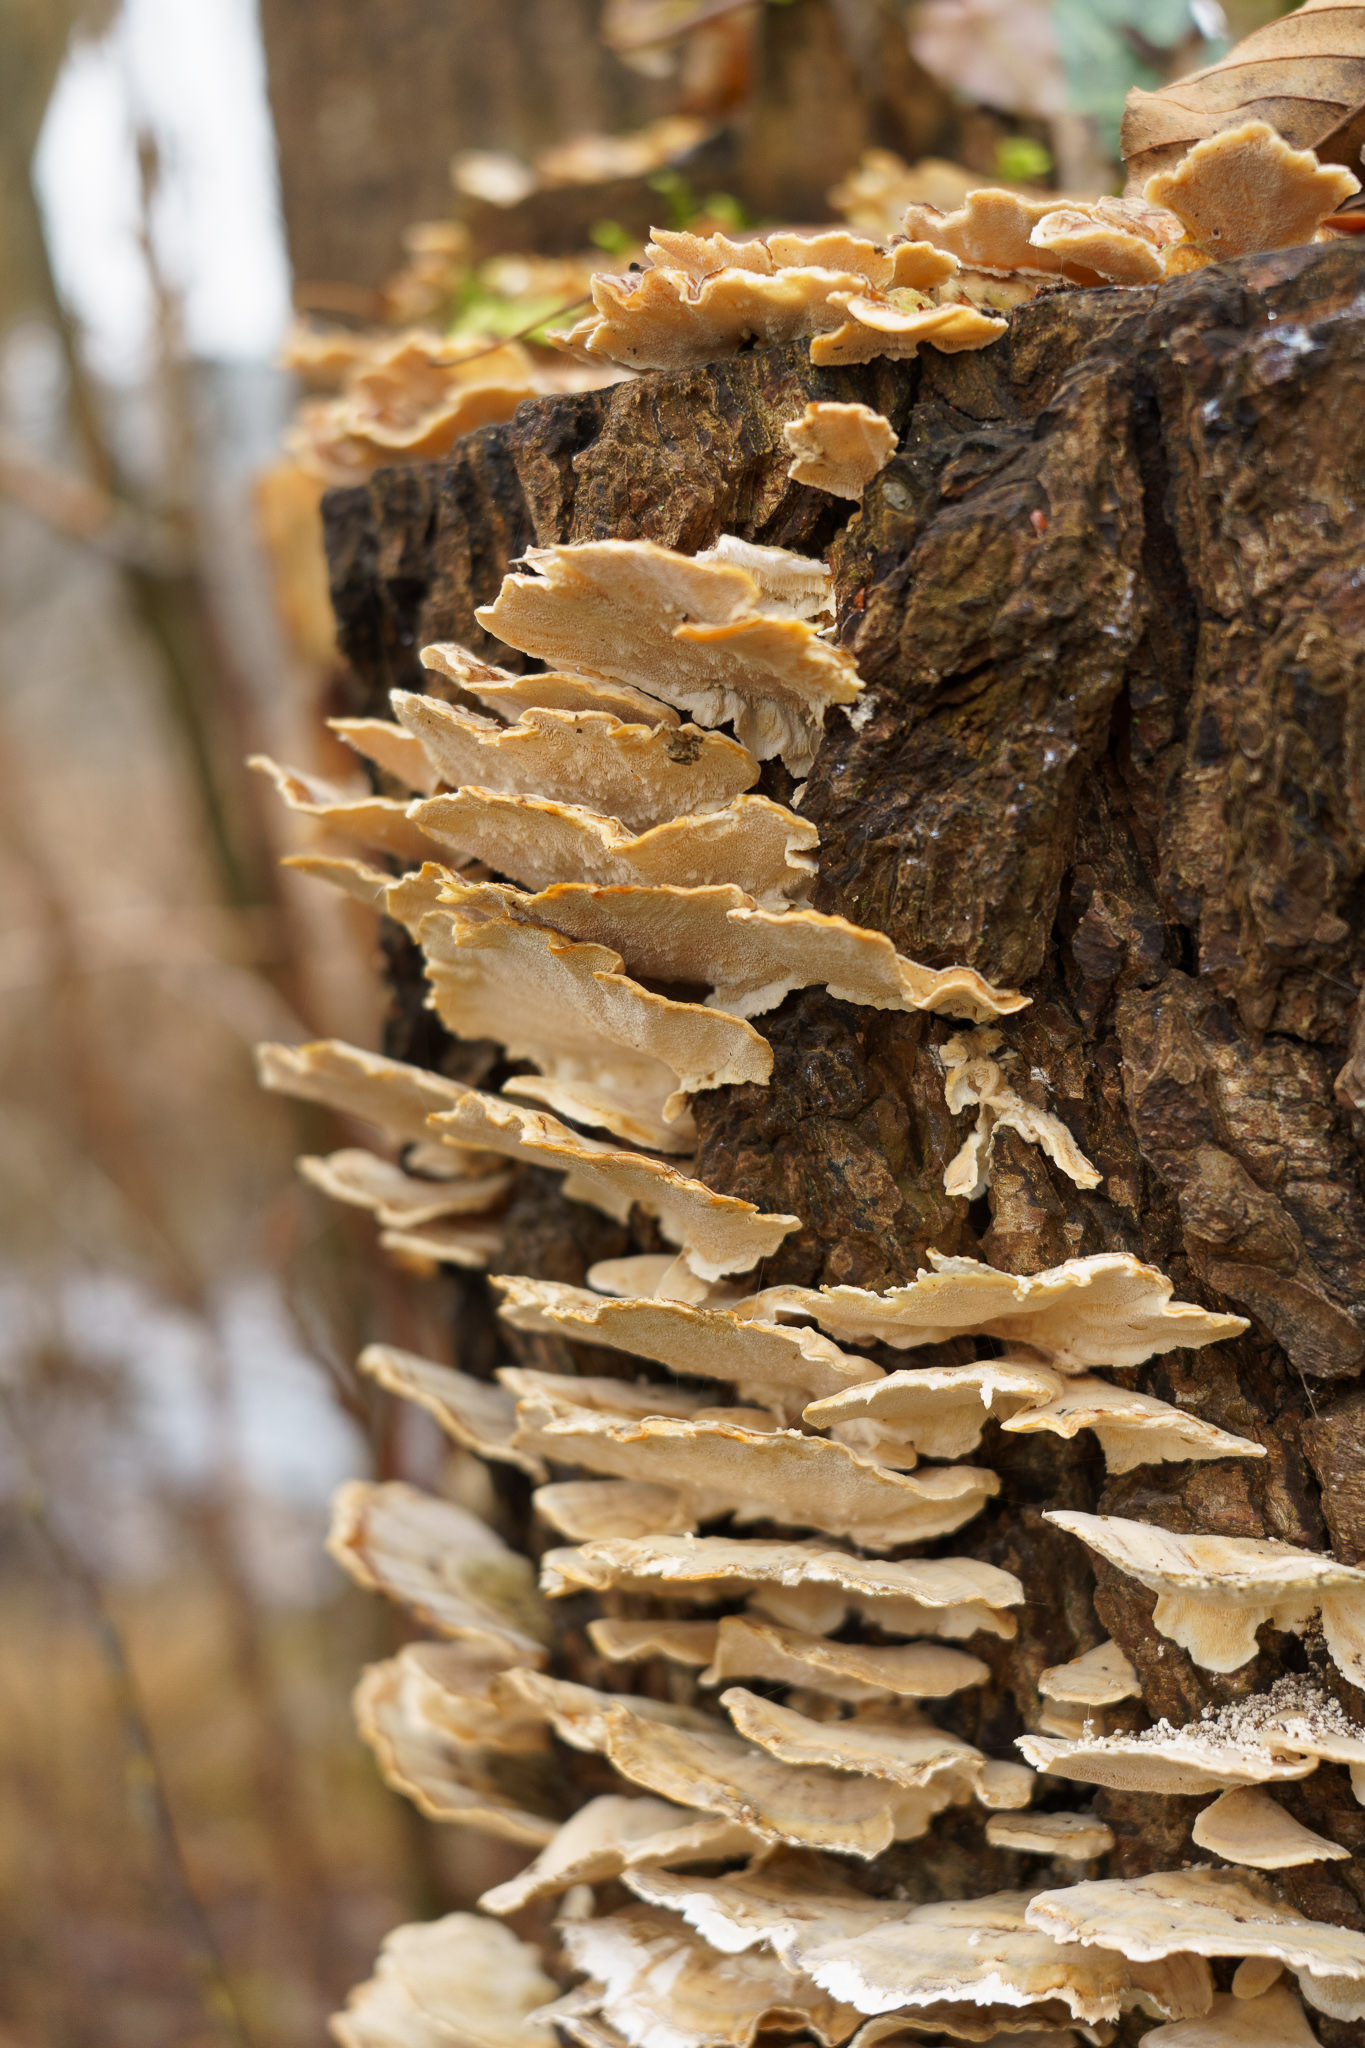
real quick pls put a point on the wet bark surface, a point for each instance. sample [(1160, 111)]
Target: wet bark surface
[(1108, 599)]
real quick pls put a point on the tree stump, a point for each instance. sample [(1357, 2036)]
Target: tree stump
[(1108, 599)]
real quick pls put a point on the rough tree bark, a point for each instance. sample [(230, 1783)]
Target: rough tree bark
[(1109, 602)]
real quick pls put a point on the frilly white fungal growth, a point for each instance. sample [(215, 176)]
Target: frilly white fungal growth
[(608, 865)]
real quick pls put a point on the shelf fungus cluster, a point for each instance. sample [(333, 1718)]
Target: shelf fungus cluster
[(948, 283), (759, 1528)]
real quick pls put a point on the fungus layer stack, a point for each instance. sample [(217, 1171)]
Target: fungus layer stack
[(737, 1497)]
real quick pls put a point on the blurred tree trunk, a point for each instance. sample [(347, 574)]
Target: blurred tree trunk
[(1106, 600), (370, 104)]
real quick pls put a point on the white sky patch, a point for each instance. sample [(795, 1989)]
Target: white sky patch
[(195, 77)]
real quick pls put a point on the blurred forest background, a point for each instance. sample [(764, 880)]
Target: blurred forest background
[(193, 1848)]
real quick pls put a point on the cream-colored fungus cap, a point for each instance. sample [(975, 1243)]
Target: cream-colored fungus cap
[(898, 326), (444, 1564), (838, 448), (592, 1510), (1100, 1678), (1164, 1759), (938, 1596), (719, 1233), (612, 1834), (1075, 1837), (630, 1642), (747, 1646), (399, 753), (1112, 251), (762, 1474), (581, 1715), (1133, 1429), (755, 844), (461, 1979), (1214, 1592), (1206, 1912), (447, 1242), (1246, 189), (1248, 1826), (751, 956), (477, 1414), (1271, 2019), (938, 1411), (775, 1367), (397, 1097), (990, 231), (509, 695), (381, 823), (659, 1986), (905, 1750), (699, 634), (398, 1711), (973, 1076), (643, 775), (1108, 1309), (396, 1199)]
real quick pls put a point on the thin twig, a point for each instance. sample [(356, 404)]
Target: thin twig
[(146, 1787), (525, 333)]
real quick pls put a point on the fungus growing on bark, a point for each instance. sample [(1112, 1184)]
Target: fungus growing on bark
[(399, 753), (1108, 1309), (940, 1596), (612, 1834), (774, 1474), (399, 1098), (398, 1711), (898, 325), (753, 844), (509, 695), (938, 1411), (658, 1986), (1237, 2021), (1245, 189), (1108, 249), (909, 1752), (443, 1563), (381, 823), (477, 1414), (774, 1367), (990, 231), (1074, 1837), (704, 297), (1100, 1678), (719, 1233), (1133, 1429), (1247, 1826), (469, 1243), (1214, 1592), (628, 1642), (462, 1978), (593, 1510), (838, 448), (1205, 1912), (747, 1646), (397, 1199), (701, 634), (618, 1054), (973, 1076), (642, 774), (753, 957)]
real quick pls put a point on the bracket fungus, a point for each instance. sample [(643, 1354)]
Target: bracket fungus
[(974, 1077), (1234, 2021), (937, 1411), (768, 1474), (702, 634), (718, 1233), (1207, 1912), (612, 1834), (757, 845), (475, 1413), (1074, 1837), (748, 1646), (773, 1366), (1214, 1592), (1245, 189), (1133, 1429), (592, 1510), (463, 1978), (1247, 1826), (1108, 1310), (643, 775), (401, 1201), (381, 823), (1100, 1678), (951, 1597), (509, 695), (750, 955), (838, 449), (443, 1563)]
